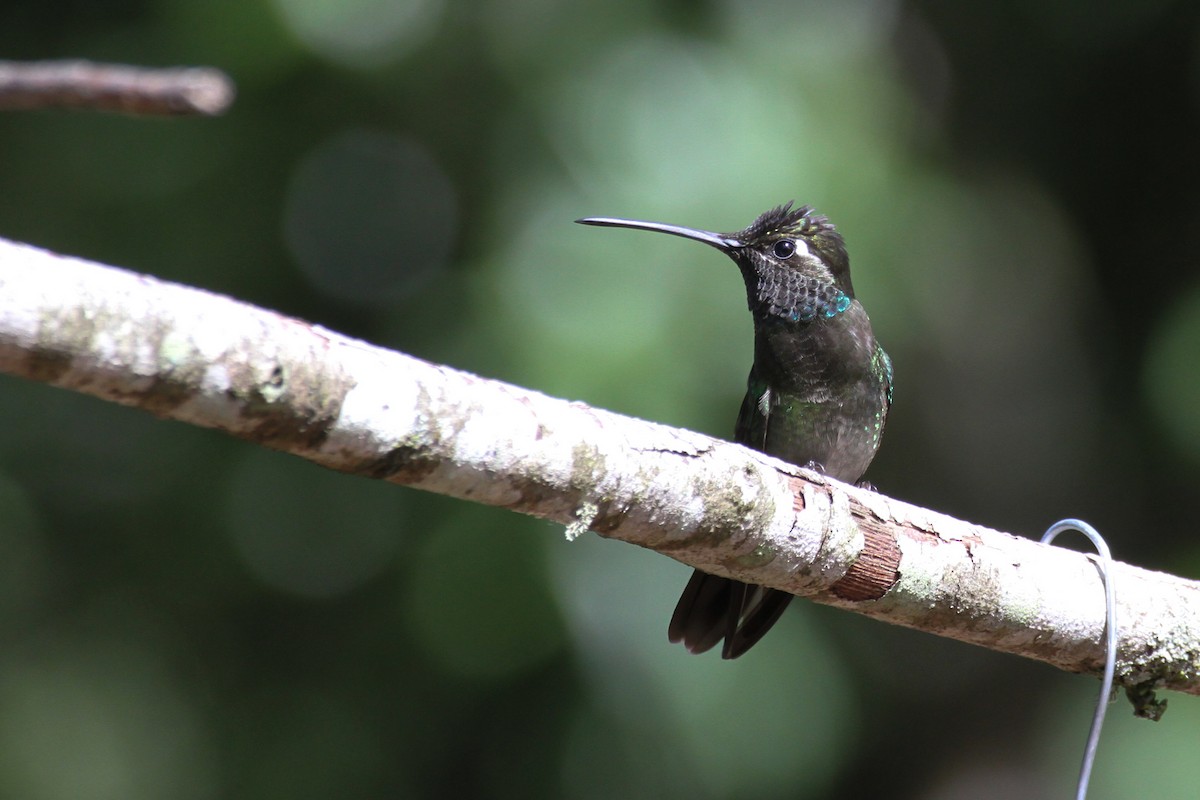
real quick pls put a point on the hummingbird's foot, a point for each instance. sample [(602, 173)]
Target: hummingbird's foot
[(870, 487)]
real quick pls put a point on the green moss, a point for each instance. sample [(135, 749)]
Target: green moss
[(588, 466)]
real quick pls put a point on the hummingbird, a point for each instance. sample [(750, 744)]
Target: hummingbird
[(818, 394)]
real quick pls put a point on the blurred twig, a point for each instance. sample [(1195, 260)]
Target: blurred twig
[(109, 87), (189, 355)]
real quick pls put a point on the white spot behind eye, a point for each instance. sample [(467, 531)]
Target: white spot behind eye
[(798, 246)]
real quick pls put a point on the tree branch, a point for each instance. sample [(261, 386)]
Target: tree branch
[(196, 357), (111, 87)]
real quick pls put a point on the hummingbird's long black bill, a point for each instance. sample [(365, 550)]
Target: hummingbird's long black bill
[(717, 240)]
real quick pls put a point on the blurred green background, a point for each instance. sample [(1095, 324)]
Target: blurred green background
[(184, 616)]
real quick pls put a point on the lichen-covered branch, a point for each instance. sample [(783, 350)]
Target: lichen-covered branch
[(114, 87), (208, 360)]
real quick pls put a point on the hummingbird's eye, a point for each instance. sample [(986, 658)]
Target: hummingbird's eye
[(784, 248)]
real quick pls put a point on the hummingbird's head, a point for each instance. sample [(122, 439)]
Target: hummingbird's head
[(796, 240), (793, 261)]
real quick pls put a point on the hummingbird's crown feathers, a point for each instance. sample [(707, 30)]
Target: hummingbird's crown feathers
[(784, 219)]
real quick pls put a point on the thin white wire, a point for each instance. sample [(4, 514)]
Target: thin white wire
[(1110, 641)]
